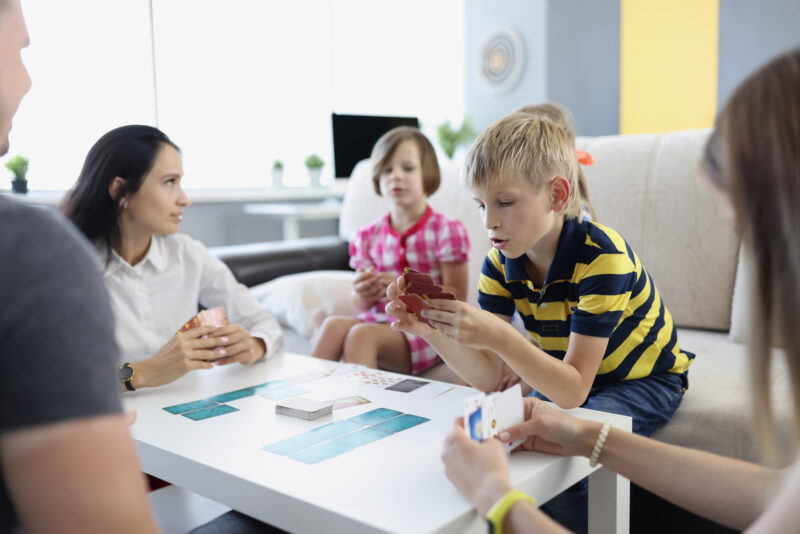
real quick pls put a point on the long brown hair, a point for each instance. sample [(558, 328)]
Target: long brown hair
[(563, 118), (754, 156)]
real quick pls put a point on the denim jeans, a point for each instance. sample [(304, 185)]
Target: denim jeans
[(650, 401)]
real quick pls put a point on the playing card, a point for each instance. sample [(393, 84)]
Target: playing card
[(419, 288), (410, 275), (485, 416), (211, 317), (415, 305), (442, 295)]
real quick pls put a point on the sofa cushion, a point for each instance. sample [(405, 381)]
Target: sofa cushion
[(715, 414), (649, 188), (302, 301)]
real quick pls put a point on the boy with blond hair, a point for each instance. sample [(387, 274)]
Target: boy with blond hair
[(599, 335)]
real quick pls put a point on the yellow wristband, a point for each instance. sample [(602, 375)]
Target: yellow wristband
[(498, 512)]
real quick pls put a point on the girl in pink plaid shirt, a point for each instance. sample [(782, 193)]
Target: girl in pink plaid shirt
[(404, 169)]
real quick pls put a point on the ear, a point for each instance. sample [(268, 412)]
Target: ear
[(114, 188), (559, 193)]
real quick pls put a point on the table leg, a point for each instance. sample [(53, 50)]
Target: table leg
[(609, 502)]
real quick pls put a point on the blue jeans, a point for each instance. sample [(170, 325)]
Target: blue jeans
[(650, 401)]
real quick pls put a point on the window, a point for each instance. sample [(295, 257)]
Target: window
[(238, 84)]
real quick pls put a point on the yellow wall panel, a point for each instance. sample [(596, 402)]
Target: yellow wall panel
[(668, 64)]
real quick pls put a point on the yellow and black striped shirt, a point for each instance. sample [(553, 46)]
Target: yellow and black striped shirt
[(595, 286)]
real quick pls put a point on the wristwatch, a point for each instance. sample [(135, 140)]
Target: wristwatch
[(498, 512), (126, 375)]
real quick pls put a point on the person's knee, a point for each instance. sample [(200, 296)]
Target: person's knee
[(361, 339)]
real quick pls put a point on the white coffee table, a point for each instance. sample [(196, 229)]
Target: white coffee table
[(394, 484)]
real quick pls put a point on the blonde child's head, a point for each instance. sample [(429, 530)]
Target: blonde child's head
[(530, 146), (563, 117), (554, 112), (385, 147)]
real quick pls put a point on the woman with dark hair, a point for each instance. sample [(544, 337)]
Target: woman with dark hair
[(753, 159), (128, 201)]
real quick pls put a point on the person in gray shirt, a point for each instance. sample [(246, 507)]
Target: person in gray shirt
[(67, 462)]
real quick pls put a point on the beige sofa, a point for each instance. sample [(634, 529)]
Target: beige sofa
[(649, 188)]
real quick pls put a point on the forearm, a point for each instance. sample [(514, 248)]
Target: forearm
[(479, 369), (557, 380), (726, 490)]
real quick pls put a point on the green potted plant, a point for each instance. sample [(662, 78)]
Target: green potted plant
[(450, 138), (19, 166), (277, 173), (314, 164)]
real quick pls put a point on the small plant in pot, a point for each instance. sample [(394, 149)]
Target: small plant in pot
[(314, 164), (19, 166), (277, 173), (450, 138)]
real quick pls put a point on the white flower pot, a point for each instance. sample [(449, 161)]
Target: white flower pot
[(277, 177), (314, 173)]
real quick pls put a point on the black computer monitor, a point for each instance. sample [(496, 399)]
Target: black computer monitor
[(355, 135)]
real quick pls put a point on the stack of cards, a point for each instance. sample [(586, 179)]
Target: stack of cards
[(304, 408), (485, 416), (211, 317), (419, 288)]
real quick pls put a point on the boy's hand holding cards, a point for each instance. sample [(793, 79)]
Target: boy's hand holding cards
[(419, 288), (485, 416)]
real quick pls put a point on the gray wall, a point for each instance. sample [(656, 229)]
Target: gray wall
[(529, 18), (583, 62), (751, 33), (572, 49)]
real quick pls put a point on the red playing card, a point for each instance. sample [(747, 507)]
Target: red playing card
[(418, 288), (410, 276), (415, 305), (442, 295)]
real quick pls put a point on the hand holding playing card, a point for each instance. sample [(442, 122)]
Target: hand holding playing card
[(416, 290), (478, 470), (237, 345), (548, 429), (367, 285), (406, 319), (186, 351)]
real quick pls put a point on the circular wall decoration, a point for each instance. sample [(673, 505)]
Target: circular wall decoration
[(501, 59)]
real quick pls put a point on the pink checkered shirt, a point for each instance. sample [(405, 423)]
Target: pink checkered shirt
[(433, 240)]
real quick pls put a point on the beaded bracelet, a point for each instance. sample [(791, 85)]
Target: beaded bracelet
[(598, 445)]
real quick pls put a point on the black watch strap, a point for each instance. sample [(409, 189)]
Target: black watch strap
[(126, 376)]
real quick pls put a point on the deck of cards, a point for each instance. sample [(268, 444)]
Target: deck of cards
[(211, 317), (302, 408), (419, 288), (485, 416)]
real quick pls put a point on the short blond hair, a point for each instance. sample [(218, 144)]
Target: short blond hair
[(384, 150), (531, 146)]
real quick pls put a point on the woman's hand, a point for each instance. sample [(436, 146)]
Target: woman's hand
[(237, 345), (185, 352), (478, 470), (550, 430)]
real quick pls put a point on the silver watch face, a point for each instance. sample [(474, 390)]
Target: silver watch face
[(125, 373)]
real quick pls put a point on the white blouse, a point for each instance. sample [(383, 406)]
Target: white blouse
[(154, 298)]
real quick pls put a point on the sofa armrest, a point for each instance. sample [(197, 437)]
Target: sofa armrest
[(257, 263)]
